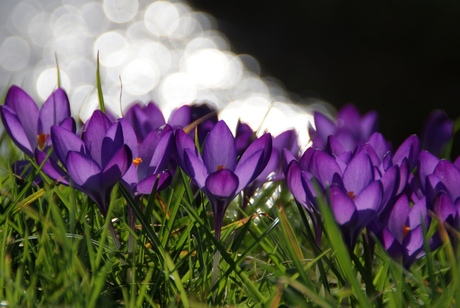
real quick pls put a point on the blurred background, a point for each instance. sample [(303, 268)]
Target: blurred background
[(401, 58), (254, 59)]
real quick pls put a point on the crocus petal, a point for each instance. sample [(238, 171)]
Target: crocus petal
[(444, 207), (69, 124), (427, 162), (183, 142), (368, 202), (94, 134), (128, 136), (180, 117), (144, 119), (65, 141), (391, 245), (324, 127), (409, 149), (84, 171), (323, 167), (54, 110), (263, 143), (51, 168), (117, 166), (294, 182), (246, 170), (358, 173), (162, 181), (413, 243), (418, 213), (243, 137), (112, 144), (342, 206), (437, 132), (162, 153), (450, 176), (196, 169), (368, 124), (219, 149), (398, 218), (222, 184), (389, 182), (16, 131), (26, 111)]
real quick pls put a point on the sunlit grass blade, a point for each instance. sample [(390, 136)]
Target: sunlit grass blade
[(100, 94)]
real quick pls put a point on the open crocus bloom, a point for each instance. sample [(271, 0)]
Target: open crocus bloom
[(218, 172), (150, 159), (97, 161), (29, 127)]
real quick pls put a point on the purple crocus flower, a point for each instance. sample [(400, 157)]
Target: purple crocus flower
[(95, 162), (150, 159), (354, 188), (218, 172), (437, 132), (28, 126), (274, 171), (400, 231), (439, 179), (350, 128), (147, 118)]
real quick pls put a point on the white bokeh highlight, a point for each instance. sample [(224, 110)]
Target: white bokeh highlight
[(162, 51)]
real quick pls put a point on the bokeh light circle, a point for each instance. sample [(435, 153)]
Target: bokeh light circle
[(14, 53), (120, 11)]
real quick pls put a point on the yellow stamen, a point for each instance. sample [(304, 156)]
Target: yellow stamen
[(137, 161)]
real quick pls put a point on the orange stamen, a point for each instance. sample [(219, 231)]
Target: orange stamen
[(137, 161), (220, 167), (41, 138), (406, 230), (351, 195)]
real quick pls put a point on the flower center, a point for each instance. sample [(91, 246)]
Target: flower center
[(351, 194), (41, 139), (220, 167), (406, 230), (137, 161)]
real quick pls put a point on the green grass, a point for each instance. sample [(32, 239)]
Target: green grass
[(57, 250)]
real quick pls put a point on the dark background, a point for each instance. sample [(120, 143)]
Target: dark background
[(400, 58)]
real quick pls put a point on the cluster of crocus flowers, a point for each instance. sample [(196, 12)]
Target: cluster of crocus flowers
[(367, 185), (349, 166)]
